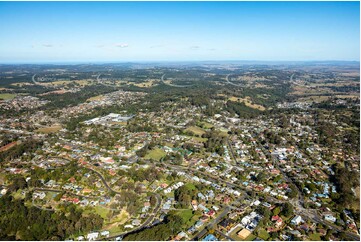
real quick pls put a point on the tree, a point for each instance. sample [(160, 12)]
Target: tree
[(274, 236), (18, 183), (287, 210), (276, 211), (293, 193), (153, 200), (184, 195)]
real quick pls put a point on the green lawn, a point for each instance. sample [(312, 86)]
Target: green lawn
[(234, 235), (115, 230), (207, 125), (17, 195), (251, 237), (155, 154), (196, 130), (7, 96), (186, 215), (102, 211), (190, 186), (315, 237), (263, 234), (199, 139)]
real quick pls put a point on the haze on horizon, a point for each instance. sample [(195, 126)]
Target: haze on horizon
[(178, 31)]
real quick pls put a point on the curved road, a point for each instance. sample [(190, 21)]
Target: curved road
[(299, 203), (33, 80), (145, 224), (173, 85), (229, 82)]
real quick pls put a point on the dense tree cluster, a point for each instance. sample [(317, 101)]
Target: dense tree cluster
[(241, 110), (150, 174), (21, 222), (345, 180), (29, 146), (185, 194), (172, 225), (215, 142), (69, 99)]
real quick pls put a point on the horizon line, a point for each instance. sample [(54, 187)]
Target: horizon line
[(162, 61)]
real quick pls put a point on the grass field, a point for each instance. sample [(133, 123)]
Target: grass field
[(148, 83), (186, 215), (199, 139), (190, 186), (248, 102), (51, 129), (196, 130), (223, 132), (316, 99), (21, 84), (102, 211), (84, 82), (7, 96), (206, 125), (113, 225), (234, 235), (96, 98), (251, 237), (155, 154), (315, 237), (263, 234)]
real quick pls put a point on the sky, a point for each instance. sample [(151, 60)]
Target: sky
[(178, 31)]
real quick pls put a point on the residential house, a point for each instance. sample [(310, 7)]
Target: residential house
[(92, 236), (296, 220)]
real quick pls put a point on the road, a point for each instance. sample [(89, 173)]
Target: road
[(103, 180), (145, 224), (228, 81), (215, 221), (291, 78), (173, 85), (231, 149), (33, 80), (299, 203), (101, 83)]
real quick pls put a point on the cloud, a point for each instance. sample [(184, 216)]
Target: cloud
[(212, 49), (47, 45), (100, 46), (195, 47), (121, 45)]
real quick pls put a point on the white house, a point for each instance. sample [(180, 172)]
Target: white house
[(136, 222), (92, 236), (105, 233), (330, 218), (245, 220), (296, 220)]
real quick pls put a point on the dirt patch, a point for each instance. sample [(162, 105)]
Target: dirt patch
[(9, 146), (51, 129), (248, 102)]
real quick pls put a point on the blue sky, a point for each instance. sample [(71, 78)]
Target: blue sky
[(178, 31)]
